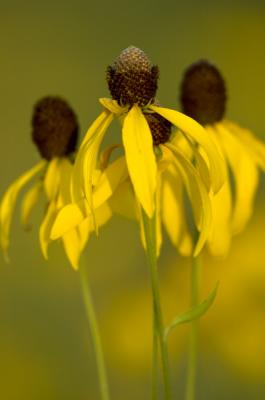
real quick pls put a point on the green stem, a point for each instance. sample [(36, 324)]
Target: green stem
[(154, 361), (193, 345), (150, 237), (93, 325)]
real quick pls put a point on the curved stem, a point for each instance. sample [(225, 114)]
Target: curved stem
[(193, 344), (150, 237), (93, 325)]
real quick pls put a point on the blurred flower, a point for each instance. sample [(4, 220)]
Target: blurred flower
[(231, 332), (203, 96), (55, 131), (150, 153)]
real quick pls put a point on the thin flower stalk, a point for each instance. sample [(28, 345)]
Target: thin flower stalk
[(150, 237), (95, 335)]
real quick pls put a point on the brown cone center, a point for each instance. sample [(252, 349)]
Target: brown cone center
[(54, 127), (203, 93)]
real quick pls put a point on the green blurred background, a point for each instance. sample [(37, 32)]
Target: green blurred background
[(63, 47)]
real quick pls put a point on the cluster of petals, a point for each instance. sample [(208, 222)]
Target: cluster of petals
[(215, 167), (147, 179)]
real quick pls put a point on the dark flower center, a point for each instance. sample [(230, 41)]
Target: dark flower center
[(54, 127), (160, 128), (203, 93), (132, 79)]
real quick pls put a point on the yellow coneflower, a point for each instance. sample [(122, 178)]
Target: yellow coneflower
[(150, 151), (55, 132), (203, 96)]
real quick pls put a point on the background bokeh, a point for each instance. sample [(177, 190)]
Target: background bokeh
[(63, 47)]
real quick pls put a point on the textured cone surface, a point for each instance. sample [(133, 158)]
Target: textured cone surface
[(54, 127), (160, 128), (132, 79), (203, 93)]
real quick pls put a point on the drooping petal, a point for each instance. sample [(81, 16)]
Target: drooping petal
[(72, 247), (173, 211), (72, 214), (45, 228), (123, 201), (180, 141), (30, 200), (112, 106), (197, 133), (202, 167), (84, 229), (138, 144), (103, 214), (158, 216), (9, 200), (245, 174), (86, 160), (254, 146), (106, 154), (158, 227), (65, 172), (67, 219), (198, 196), (110, 179), (220, 237), (52, 178)]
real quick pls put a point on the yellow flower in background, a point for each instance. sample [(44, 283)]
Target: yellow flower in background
[(203, 97), (55, 132), (149, 152), (232, 331)]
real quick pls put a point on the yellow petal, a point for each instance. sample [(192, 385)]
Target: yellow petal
[(86, 161), (220, 237), (123, 201), (103, 214), (84, 230), (197, 133), (180, 141), (202, 167), (106, 154), (45, 228), (245, 174), (67, 219), (77, 180), (138, 144), (30, 200), (174, 215), (158, 238), (109, 180), (51, 179), (65, 171), (141, 225), (72, 247), (198, 196), (158, 216), (254, 146), (9, 200), (71, 215), (112, 106)]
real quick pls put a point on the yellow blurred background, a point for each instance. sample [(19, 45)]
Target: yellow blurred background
[(63, 48)]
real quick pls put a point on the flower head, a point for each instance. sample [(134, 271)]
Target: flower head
[(54, 131), (203, 97), (149, 147), (54, 128), (132, 79)]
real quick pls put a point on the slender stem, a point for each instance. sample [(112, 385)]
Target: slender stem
[(154, 361), (92, 320), (150, 237), (193, 345)]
